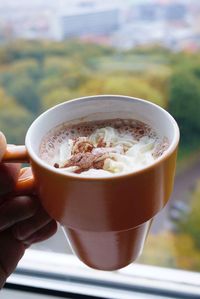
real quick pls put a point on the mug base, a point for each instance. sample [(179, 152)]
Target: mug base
[(108, 251)]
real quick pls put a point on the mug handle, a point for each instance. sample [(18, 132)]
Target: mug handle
[(19, 154)]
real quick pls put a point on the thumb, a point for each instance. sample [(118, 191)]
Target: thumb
[(3, 145), (8, 172)]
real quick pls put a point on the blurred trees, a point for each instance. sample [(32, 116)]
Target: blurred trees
[(125, 85), (184, 102), (40, 74), (180, 249), (35, 75), (14, 119), (187, 253), (24, 90), (168, 249), (190, 224), (159, 249), (56, 96)]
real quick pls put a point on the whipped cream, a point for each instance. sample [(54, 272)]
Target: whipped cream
[(105, 152)]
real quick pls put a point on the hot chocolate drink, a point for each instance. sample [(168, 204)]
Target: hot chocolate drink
[(102, 148)]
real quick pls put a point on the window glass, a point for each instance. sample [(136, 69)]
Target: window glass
[(51, 51)]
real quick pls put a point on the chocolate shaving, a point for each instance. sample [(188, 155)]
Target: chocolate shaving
[(82, 155), (82, 145), (86, 161)]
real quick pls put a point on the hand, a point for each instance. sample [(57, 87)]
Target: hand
[(22, 219)]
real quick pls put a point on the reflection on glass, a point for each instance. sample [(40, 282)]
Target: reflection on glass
[(55, 51)]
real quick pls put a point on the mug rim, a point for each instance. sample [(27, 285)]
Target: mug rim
[(163, 157)]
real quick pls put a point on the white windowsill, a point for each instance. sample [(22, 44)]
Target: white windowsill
[(64, 272)]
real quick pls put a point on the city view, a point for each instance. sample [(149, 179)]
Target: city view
[(123, 24), (53, 51)]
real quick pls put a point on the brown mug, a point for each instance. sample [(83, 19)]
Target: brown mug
[(105, 219)]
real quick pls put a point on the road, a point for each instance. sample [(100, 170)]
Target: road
[(184, 184)]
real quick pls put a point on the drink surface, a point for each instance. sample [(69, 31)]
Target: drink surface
[(102, 148)]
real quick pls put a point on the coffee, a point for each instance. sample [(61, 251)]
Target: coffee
[(102, 148)]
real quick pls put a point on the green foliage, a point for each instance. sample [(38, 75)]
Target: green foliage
[(159, 250), (39, 74), (14, 120), (49, 84), (55, 66), (14, 129), (126, 85), (56, 96), (5, 100), (22, 49), (187, 254), (25, 92), (158, 78), (151, 50), (190, 224), (184, 104), (168, 249), (26, 67), (180, 249)]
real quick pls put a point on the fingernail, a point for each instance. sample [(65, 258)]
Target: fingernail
[(26, 242), (31, 240)]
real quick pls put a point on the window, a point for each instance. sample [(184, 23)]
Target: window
[(147, 49)]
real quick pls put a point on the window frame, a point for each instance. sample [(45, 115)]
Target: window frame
[(63, 275)]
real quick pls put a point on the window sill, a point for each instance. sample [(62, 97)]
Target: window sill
[(64, 275)]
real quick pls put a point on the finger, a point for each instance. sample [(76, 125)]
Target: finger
[(11, 251), (17, 209), (8, 172), (26, 228), (8, 177), (3, 145), (44, 233), (25, 184)]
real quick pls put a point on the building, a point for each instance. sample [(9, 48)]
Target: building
[(92, 22), (175, 12)]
